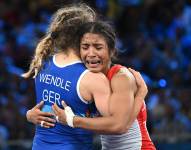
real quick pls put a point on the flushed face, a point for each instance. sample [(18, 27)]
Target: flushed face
[(94, 52)]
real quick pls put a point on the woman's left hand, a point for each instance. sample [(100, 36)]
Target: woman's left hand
[(59, 114), (64, 116)]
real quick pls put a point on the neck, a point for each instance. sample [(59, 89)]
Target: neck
[(105, 71), (67, 57)]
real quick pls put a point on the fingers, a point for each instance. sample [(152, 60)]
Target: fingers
[(48, 119), (46, 114), (139, 80), (39, 105), (64, 104), (36, 116), (46, 124), (135, 73), (57, 118), (142, 87), (55, 108), (59, 114)]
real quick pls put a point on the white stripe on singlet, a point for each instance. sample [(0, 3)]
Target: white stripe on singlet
[(131, 140)]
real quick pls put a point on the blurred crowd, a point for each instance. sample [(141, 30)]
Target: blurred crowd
[(153, 37)]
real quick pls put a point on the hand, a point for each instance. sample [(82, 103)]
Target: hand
[(142, 87), (64, 116), (59, 113), (36, 116)]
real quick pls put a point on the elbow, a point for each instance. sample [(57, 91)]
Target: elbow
[(120, 128)]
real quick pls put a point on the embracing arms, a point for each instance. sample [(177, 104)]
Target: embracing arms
[(123, 108), (35, 116), (120, 106), (122, 112), (139, 96)]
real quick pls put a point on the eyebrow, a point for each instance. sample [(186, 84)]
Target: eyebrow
[(98, 44), (87, 43)]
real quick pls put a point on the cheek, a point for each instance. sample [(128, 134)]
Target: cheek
[(106, 56), (81, 53), (82, 56)]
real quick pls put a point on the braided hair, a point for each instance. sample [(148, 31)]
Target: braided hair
[(60, 35)]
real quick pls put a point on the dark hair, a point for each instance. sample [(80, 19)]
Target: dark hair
[(101, 28)]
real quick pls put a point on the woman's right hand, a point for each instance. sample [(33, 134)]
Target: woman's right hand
[(142, 87), (37, 117)]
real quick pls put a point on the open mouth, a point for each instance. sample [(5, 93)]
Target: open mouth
[(93, 63)]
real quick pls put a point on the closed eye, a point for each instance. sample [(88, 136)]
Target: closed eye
[(98, 48), (84, 46)]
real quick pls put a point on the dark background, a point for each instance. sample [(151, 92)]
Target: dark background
[(153, 37)]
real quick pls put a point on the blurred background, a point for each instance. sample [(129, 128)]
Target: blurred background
[(153, 37)]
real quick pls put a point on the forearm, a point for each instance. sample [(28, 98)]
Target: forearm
[(139, 97), (103, 125), (138, 103)]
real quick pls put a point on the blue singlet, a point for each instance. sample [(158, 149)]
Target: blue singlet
[(53, 84)]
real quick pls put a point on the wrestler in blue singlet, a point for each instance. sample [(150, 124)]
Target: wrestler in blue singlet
[(53, 84)]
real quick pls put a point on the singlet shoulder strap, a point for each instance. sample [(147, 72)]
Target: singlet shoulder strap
[(113, 70)]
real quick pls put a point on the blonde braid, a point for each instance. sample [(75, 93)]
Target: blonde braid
[(44, 49)]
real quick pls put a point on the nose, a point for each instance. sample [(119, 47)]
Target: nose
[(91, 52)]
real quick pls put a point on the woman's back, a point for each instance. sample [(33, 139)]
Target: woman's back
[(55, 83)]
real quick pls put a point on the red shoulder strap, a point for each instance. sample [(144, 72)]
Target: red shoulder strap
[(113, 70)]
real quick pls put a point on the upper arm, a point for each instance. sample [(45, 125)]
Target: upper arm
[(120, 104), (96, 86), (122, 98)]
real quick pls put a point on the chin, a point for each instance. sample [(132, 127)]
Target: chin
[(95, 70)]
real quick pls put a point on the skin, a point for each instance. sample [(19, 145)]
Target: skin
[(124, 106), (94, 53), (100, 92)]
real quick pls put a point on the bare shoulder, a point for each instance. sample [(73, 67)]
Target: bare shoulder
[(95, 80), (92, 83), (123, 77), (95, 86), (124, 73), (95, 77)]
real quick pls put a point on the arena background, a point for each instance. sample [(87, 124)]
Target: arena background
[(154, 37)]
